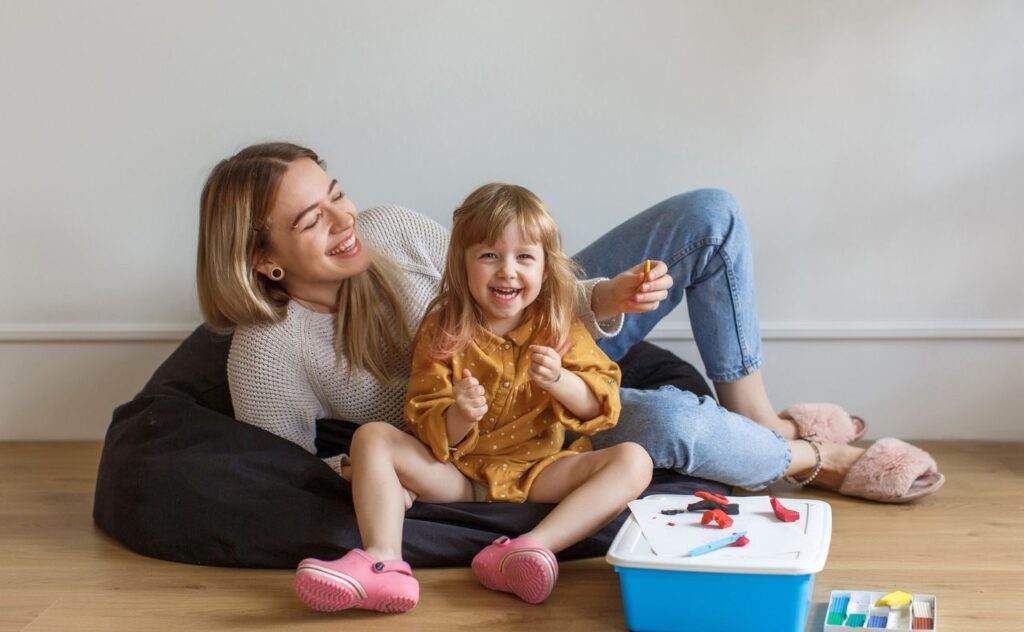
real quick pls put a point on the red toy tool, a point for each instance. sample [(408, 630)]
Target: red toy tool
[(717, 516), (715, 498), (783, 514)]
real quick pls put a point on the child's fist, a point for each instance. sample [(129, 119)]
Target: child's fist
[(545, 366), (470, 396)]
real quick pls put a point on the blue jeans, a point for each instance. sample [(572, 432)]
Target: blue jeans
[(703, 239)]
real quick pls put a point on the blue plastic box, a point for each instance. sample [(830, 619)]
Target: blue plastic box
[(728, 590)]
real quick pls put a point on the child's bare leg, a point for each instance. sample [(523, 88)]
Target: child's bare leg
[(747, 396), (385, 463), (590, 489), (407, 496)]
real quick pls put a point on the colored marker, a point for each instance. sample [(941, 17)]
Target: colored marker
[(717, 544)]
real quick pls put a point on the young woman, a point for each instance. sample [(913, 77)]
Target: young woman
[(324, 302)]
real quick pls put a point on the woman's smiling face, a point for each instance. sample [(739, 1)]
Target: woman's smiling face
[(312, 233)]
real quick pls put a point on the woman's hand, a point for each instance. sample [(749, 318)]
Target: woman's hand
[(632, 291), (545, 366), (470, 397)]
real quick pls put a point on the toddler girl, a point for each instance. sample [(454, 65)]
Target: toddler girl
[(501, 368)]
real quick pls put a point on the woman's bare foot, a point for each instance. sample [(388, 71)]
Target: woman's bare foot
[(836, 460), (785, 427)]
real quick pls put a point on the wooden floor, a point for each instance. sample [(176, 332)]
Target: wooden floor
[(58, 572)]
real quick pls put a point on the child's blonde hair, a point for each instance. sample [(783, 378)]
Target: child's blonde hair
[(482, 219)]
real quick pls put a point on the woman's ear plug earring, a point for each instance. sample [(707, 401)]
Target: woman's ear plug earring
[(276, 273)]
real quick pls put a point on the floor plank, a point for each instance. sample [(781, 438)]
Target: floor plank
[(965, 545)]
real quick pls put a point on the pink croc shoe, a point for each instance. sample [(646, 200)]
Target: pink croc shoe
[(825, 423), (521, 566), (356, 581)]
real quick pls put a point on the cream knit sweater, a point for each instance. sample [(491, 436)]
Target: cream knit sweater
[(286, 375)]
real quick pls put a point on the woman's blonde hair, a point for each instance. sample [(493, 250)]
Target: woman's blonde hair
[(234, 207), (482, 219)]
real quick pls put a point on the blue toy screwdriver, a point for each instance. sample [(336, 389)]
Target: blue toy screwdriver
[(717, 544)]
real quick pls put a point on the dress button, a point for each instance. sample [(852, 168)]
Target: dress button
[(491, 420), (379, 566), (506, 346), (506, 384)]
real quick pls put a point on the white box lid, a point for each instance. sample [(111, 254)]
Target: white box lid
[(794, 548)]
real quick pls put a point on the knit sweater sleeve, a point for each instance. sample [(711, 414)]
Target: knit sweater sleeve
[(269, 384), (585, 313)]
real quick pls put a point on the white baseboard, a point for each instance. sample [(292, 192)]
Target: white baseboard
[(872, 330), (95, 332)]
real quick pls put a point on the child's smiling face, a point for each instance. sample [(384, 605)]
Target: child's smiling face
[(505, 278)]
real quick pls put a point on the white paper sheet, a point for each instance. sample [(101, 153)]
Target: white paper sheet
[(675, 535)]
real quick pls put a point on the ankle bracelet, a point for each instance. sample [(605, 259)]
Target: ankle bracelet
[(814, 472)]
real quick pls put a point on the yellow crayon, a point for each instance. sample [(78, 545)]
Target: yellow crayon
[(646, 277)]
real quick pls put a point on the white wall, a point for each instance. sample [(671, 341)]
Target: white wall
[(876, 147)]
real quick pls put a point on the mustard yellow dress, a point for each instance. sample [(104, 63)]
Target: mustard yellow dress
[(524, 428)]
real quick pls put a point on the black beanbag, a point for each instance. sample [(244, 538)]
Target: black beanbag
[(179, 479)]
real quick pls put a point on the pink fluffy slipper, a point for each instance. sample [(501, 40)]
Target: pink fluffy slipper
[(356, 581), (825, 423), (892, 471), (521, 566)]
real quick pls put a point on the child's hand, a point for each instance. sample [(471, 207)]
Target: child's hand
[(545, 366), (470, 396)]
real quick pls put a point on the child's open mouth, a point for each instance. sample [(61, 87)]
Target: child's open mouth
[(505, 294)]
